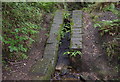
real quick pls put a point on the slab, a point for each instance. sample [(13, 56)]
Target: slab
[(56, 26), (44, 68), (77, 18), (76, 30), (40, 68)]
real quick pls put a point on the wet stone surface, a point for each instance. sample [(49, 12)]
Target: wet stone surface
[(63, 60)]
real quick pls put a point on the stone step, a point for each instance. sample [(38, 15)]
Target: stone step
[(76, 30)]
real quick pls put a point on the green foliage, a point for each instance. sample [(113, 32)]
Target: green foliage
[(66, 15), (65, 30), (111, 47), (111, 8), (66, 26), (45, 6), (88, 6), (73, 53), (110, 27), (20, 25)]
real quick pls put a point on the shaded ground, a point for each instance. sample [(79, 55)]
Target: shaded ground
[(95, 65), (94, 59), (19, 70)]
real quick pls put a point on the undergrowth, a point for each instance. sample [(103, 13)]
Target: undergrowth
[(20, 24), (112, 28)]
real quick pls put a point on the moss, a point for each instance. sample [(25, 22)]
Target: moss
[(38, 71), (59, 33), (50, 71)]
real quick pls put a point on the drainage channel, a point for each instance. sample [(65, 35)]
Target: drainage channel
[(64, 69)]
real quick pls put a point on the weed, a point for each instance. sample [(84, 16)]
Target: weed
[(73, 53), (110, 27), (66, 26)]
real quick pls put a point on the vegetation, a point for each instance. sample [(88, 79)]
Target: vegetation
[(66, 26), (21, 22), (73, 53), (112, 28)]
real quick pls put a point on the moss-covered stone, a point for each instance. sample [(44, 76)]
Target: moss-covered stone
[(76, 30), (44, 68)]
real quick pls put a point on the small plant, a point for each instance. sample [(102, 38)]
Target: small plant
[(111, 8), (66, 15), (73, 53), (65, 29), (66, 26), (110, 27), (112, 47)]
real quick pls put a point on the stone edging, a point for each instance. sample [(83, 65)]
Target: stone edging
[(76, 30), (44, 68)]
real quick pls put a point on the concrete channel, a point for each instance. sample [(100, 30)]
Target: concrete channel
[(44, 67)]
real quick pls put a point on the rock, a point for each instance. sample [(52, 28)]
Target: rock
[(59, 67), (88, 76), (64, 71)]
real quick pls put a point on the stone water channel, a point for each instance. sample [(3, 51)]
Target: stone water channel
[(56, 66), (44, 69), (72, 41)]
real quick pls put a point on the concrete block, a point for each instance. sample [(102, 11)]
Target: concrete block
[(76, 35), (40, 68), (77, 18), (44, 68), (76, 30)]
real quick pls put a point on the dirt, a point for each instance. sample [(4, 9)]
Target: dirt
[(94, 59), (19, 70)]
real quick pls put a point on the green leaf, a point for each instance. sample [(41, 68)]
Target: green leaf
[(97, 25), (112, 6), (16, 30), (106, 30)]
